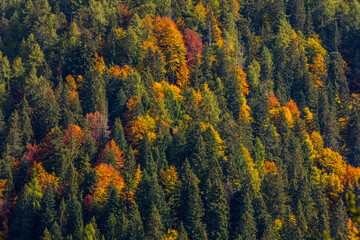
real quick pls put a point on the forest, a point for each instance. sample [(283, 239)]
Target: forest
[(179, 119)]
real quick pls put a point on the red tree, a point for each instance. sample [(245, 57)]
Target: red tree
[(193, 44)]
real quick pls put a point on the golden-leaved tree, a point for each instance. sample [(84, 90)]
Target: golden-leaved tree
[(170, 41)]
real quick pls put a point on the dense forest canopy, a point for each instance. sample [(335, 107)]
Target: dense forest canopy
[(179, 119)]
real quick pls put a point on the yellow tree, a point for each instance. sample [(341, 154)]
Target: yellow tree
[(171, 43)]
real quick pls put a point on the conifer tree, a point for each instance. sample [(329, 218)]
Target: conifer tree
[(263, 219), (155, 229), (246, 227), (15, 135), (47, 211), (56, 232), (192, 210), (135, 230), (339, 221), (110, 227), (353, 139), (23, 223), (298, 14), (75, 221), (26, 128), (182, 233), (216, 209), (150, 194), (56, 158), (93, 92)]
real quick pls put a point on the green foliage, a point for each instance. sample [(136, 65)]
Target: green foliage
[(233, 119)]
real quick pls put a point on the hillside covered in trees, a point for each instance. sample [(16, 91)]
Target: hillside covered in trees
[(179, 119)]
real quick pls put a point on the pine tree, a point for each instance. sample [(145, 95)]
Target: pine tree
[(155, 229), (26, 128), (246, 227), (2, 131), (110, 227), (135, 230), (56, 232), (56, 158), (216, 209), (274, 194), (328, 123), (353, 139), (298, 14), (46, 109), (338, 222), (196, 75), (93, 92), (323, 211), (146, 157), (338, 85), (150, 193), (192, 210), (22, 224), (15, 135), (75, 220), (263, 219), (47, 211)]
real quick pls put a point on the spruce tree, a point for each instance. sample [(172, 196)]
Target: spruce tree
[(154, 229), (216, 209), (15, 136), (135, 230), (47, 211), (25, 123), (110, 227), (75, 221), (263, 219), (339, 221), (151, 193), (182, 233), (192, 210), (246, 227), (56, 232), (93, 92)]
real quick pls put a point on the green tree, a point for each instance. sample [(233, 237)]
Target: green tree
[(26, 127), (191, 209), (155, 229), (56, 232), (93, 95), (47, 211), (216, 209)]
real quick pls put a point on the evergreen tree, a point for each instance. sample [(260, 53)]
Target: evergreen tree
[(339, 221), (216, 209), (263, 219), (298, 14), (110, 227), (26, 128), (182, 233), (246, 227), (75, 220), (56, 158), (135, 230), (56, 232), (92, 94), (14, 139), (150, 193), (192, 210), (155, 229), (47, 211)]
